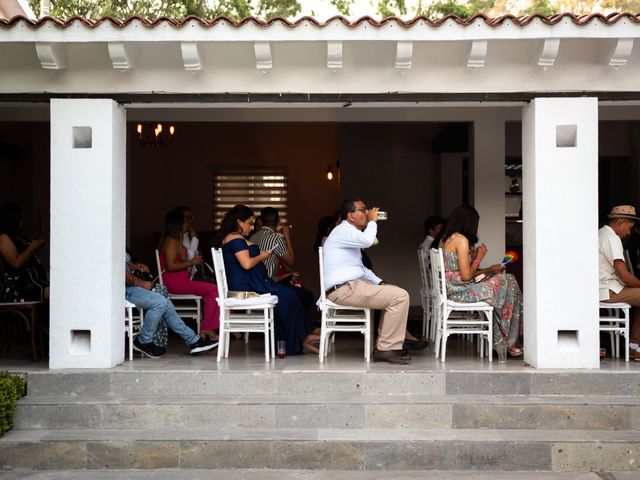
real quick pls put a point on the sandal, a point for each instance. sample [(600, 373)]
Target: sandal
[(515, 352)]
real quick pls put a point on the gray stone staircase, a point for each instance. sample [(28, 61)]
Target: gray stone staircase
[(330, 420)]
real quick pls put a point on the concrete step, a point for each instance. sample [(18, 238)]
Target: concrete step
[(372, 380), (328, 411), (325, 449), (264, 474)]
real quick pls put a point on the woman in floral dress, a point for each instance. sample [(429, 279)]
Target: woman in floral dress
[(499, 289)]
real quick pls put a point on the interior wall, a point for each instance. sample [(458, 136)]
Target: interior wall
[(182, 174), (25, 173), (391, 166), (619, 157)]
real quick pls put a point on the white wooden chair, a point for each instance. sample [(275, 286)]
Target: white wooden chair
[(132, 323), (481, 324), (616, 322), (341, 318), (426, 294), (242, 315), (186, 305)]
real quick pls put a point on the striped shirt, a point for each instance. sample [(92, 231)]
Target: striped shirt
[(267, 239)]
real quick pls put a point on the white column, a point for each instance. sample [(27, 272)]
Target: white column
[(560, 211), (487, 192), (88, 141)]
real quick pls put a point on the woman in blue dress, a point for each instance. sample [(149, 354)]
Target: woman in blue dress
[(243, 262)]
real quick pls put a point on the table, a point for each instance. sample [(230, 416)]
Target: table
[(29, 312)]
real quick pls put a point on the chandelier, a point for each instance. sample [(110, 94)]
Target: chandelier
[(160, 137)]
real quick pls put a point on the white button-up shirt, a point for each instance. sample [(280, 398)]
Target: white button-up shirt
[(342, 255)]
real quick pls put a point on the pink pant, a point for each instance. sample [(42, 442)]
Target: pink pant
[(179, 283)]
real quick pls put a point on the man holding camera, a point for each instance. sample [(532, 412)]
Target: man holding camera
[(350, 283)]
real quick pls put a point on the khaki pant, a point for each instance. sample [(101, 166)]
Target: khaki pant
[(393, 300), (632, 297)]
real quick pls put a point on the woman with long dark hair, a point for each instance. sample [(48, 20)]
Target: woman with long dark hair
[(22, 276), (174, 260), (243, 262), (499, 289)]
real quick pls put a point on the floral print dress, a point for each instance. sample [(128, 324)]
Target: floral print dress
[(501, 291)]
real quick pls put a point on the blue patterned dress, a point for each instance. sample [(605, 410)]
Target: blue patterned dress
[(500, 290)]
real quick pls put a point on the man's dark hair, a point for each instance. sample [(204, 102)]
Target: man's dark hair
[(464, 220), (269, 217), (347, 206), (432, 222)]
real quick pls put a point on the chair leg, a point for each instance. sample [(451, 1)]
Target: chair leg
[(323, 339), (438, 333), (489, 316), (272, 333), (266, 337), (221, 340), (444, 347)]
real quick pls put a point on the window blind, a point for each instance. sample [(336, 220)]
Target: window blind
[(255, 188)]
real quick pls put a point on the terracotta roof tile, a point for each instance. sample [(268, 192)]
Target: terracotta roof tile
[(610, 19)]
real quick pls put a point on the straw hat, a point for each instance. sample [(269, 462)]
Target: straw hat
[(623, 211)]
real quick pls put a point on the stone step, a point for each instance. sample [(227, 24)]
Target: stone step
[(272, 474), (328, 411), (374, 380), (325, 449)]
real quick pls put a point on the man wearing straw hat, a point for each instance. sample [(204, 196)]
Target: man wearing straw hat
[(617, 283)]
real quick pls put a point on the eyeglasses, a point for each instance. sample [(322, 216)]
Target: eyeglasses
[(188, 218), (363, 210)]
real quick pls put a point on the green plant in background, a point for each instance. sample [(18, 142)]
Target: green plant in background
[(12, 387)]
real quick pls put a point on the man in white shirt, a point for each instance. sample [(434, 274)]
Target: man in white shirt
[(432, 228), (617, 283), (349, 282)]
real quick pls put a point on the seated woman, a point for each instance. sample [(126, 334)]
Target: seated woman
[(22, 276), (243, 262), (462, 263), (173, 259)]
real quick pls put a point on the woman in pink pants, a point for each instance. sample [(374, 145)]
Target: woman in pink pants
[(174, 260)]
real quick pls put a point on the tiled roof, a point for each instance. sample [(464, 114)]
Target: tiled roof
[(610, 19)]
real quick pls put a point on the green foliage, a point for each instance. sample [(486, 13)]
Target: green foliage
[(278, 8), (12, 387), (343, 6), (540, 7), (391, 8), (440, 8)]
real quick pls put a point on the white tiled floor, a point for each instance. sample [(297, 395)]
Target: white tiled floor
[(346, 356)]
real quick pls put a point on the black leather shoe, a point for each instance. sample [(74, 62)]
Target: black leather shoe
[(390, 356), (414, 345)]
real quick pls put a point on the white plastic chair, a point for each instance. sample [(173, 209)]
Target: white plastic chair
[(481, 325), (616, 325), (132, 323), (341, 318), (242, 315), (186, 305)]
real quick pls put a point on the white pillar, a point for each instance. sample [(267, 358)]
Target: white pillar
[(488, 183), (560, 211), (88, 141)]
